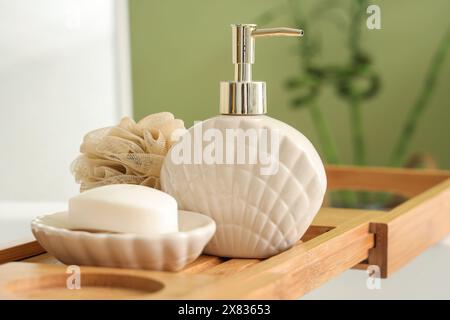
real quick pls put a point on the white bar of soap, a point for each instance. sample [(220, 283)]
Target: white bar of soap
[(124, 208)]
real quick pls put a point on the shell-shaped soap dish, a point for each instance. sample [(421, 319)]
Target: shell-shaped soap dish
[(169, 251)]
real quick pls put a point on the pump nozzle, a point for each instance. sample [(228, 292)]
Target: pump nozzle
[(280, 32), (244, 46), (244, 96)]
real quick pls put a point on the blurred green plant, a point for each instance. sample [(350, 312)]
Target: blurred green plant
[(421, 103), (354, 81)]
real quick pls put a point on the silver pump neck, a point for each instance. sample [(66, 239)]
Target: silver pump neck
[(243, 96)]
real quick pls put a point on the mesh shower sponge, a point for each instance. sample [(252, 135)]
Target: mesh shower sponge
[(130, 152)]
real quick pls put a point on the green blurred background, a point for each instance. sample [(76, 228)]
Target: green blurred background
[(182, 49)]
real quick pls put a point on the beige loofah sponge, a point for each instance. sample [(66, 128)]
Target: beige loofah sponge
[(130, 152)]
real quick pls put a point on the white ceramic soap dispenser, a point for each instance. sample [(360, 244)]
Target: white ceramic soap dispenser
[(261, 180)]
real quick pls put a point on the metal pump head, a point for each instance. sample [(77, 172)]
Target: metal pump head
[(244, 96)]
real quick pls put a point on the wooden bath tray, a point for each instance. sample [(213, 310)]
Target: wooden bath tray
[(337, 240)]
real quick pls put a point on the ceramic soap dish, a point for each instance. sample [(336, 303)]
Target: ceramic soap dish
[(169, 251)]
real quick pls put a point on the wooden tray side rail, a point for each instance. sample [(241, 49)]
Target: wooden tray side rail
[(404, 182), (410, 228)]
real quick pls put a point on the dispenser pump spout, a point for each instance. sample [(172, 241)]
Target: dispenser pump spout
[(243, 96), (243, 46)]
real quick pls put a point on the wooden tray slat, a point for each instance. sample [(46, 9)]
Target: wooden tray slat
[(203, 263), (232, 266)]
